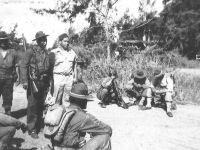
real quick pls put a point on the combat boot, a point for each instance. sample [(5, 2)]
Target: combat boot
[(8, 111), (169, 114)]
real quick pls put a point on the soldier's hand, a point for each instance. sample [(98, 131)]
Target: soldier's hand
[(17, 82), (24, 127), (25, 86)]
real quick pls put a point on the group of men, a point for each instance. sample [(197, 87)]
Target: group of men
[(41, 74), (159, 92)]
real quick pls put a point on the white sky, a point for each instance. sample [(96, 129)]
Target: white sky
[(29, 23)]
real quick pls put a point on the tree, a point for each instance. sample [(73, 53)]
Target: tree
[(100, 10), (180, 27)]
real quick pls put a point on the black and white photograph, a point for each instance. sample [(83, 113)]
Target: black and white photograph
[(99, 74)]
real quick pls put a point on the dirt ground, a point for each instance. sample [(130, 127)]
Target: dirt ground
[(132, 128)]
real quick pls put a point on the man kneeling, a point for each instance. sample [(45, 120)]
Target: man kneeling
[(82, 123)]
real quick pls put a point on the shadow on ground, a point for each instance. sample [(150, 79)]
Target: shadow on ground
[(19, 113), (17, 142)]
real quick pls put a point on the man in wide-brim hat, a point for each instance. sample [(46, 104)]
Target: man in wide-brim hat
[(82, 123), (139, 88), (163, 89), (9, 67), (36, 80)]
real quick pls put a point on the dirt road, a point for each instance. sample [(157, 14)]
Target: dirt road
[(132, 129)]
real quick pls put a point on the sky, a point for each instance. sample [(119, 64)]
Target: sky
[(18, 12)]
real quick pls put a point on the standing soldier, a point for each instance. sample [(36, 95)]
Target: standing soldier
[(163, 89), (63, 67), (35, 79), (8, 65), (139, 87)]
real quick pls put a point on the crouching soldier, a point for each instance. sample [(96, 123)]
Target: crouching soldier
[(71, 132), (109, 91), (8, 126), (139, 88), (163, 90)]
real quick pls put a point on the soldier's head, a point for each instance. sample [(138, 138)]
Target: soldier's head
[(41, 39), (112, 72), (64, 41), (139, 76), (79, 94), (158, 73), (3, 40)]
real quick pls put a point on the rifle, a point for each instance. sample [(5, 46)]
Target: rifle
[(120, 101), (32, 82)]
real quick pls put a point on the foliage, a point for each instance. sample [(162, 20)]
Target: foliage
[(180, 27)]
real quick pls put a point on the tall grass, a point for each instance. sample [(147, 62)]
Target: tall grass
[(187, 87)]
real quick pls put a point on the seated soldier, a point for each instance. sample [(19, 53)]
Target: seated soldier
[(8, 126), (163, 89), (139, 87), (82, 123)]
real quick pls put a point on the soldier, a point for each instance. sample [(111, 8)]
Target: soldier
[(139, 87), (109, 91), (8, 126), (63, 67), (8, 65), (35, 79), (163, 89), (82, 123)]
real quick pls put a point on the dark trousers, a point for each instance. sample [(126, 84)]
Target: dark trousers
[(35, 108), (6, 136), (6, 91)]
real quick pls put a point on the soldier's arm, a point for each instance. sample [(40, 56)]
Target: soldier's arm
[(6, 120), (24, 66), (16, 64), (95, 127)]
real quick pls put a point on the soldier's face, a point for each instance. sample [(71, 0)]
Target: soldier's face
[(65, 43), (42, 42), (3, 44)]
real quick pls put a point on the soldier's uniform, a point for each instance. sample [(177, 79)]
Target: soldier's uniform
[(139, 88), (8, 63), (35, 65), (163, 90), (82, 123), (107, 92)]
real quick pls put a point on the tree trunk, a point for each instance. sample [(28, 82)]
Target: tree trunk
[(108, 41)]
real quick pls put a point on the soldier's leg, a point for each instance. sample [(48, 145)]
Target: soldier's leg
[(67, 89), (7, 94), (6, 136), (99, 142), (41, 96), (148, 95), (32, 112), (169, 100), (103, 95)]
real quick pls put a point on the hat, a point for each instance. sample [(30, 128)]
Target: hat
[(3, 35), (80, 90), (62, 36), (140, 74), (40, 34), (158, 72)]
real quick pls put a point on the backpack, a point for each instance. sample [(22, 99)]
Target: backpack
[(56, 132)]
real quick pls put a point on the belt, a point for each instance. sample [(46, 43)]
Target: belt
[(63, 74)]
